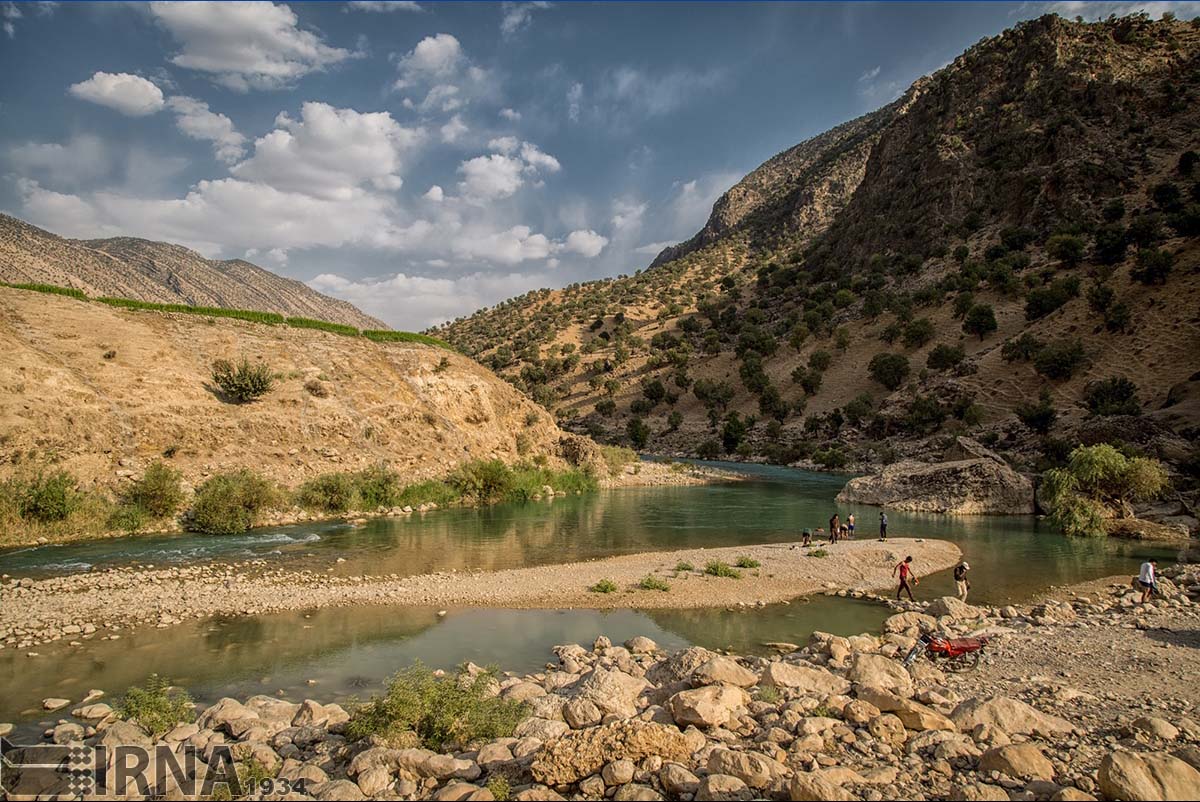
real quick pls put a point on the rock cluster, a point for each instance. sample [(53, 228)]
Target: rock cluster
[(840, 718)]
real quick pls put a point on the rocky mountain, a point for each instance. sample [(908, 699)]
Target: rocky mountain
[(1010, 250), (145, 270)]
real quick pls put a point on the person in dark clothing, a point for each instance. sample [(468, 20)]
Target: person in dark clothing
[(883, 526), (960, 580), (905, 570), (835, 526)]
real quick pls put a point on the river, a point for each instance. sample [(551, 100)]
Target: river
[(338, 653)]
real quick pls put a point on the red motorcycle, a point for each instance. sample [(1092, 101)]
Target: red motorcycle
[(955, 654)]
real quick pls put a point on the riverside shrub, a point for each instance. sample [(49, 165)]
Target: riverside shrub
[(48, 497), (228, 503), (156, 707), (158, 492), (1096, 483), (442, 713)]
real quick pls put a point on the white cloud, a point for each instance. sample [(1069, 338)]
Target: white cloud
[(490, 177), (434, 57), (196, 120), (434, 194), (129, 94), (652, 95), (587, 244), (244, 45), (574, 101), (275, 257), (869, 75), (511, 115), (517, 16), (454, 129), (627, 215), (383, 5), (536, 160), (507, 247), (504, 144), (653, 248), (693, 200), (9, 12), (417, 302), (80, 161), (330, 153)]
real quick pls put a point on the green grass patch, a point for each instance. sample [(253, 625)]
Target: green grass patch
[(250, 315), (818, 553), (51, 289), (381, 336), (322, 325), (718, 568), (604, 586), (156, 707), (651, 582), (443, 713), (683, 565), (617, 457), (747, 562)]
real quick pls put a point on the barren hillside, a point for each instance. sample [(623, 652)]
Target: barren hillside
[(103, 392), (1025, 219), (144, 270)]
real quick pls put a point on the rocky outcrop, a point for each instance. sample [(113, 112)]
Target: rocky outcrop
[(977, 486), (1139, 529)]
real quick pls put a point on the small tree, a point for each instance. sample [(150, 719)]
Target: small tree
[(243, 382), (158, 492), (980, 320), (945, 356), (638, 431), (1153, 266), (888, 369), (1099, 482), (918, 332), (732, 432), (1039, 417), (1060, 360), (1066, 248), (1113, 396)]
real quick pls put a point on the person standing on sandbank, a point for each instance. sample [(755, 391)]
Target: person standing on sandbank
[(905, 570), (883, 526), (960, 580)]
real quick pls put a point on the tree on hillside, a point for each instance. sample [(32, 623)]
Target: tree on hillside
[(980, 320), (888, 369), (1066, 248), (638, 431), (1039, 417), (1113, 396)]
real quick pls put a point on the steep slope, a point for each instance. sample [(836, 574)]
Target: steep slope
[(127, 267), (1046, 180), (103, 392)]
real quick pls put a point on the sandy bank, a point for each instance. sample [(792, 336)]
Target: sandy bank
[(34, 612)]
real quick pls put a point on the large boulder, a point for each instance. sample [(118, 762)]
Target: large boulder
[(755, 770), (812, 786), (1011, 716), (724, 671), (954, 608), (710, 706), (612, 691), (804, 678), (679, 666), (1019, 761), (582, 753), (1147, 776), (877, 671), (977, 486)]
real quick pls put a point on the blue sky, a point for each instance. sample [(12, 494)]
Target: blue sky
[(425, 159)]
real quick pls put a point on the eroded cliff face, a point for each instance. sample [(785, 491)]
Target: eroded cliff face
[(103, 392)]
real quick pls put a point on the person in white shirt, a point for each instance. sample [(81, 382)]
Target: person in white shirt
[(1148, 579)]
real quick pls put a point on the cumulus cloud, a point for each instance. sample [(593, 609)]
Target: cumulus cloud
[(81, 160), (244, 45), (434, 57), (383, 5), (434, 194), (196, 120), (500, 174), (330, 153), (511, 115), (574, 101), (416, 302), (438, 67), (504, 144), (536, 160), (627, 215), (517, 16), (454, 129), (129, 94), (587, 244)]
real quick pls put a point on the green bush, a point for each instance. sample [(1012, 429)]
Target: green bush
[(651, 582), (638, 432), (158, 492), (1153, 266), (430, 491), (228, 503), (442, 713), (1041, 301), (1112, 396), (1039, 417), (155, 707), (126, 518), (382, 336), (377, 486), (747, 562), (243, 382), (718, 568), (683, 565), (50, 289), (890, 370), (604, 586), (1023, 348), (980, 320), (48, 497), (329, 492), (945, 356), (918, 332), (483, 481), (818, 553), (1067, 248), (1060, 360), (617, 457)]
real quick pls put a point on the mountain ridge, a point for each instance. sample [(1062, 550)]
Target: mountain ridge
[(161, 272)]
